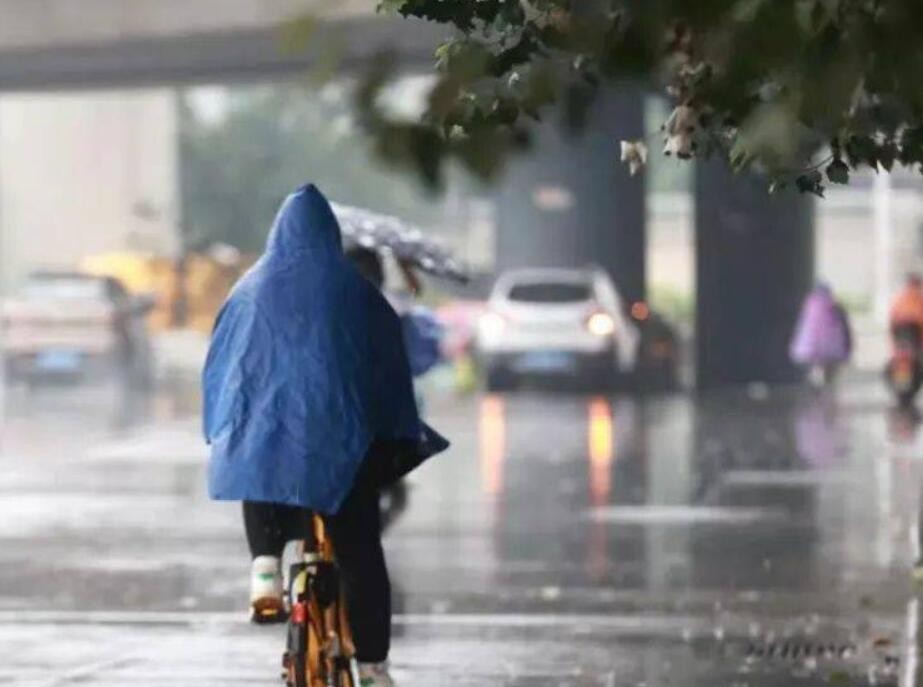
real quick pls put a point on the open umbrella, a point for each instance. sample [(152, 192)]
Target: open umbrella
[(408, 243)]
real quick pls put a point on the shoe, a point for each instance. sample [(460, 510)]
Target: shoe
[(266, 602), (374, 675)]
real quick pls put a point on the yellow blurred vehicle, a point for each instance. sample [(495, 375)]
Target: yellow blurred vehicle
[(186, 294)]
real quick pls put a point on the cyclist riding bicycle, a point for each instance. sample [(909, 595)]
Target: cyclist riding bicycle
[(309, 408)]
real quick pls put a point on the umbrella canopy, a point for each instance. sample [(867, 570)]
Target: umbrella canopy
[(409, 243)]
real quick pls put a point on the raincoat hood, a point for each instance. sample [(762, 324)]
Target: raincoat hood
[(306, 370), (305, 228)]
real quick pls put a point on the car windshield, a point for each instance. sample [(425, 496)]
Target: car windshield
[(70, 288), (551, 292)]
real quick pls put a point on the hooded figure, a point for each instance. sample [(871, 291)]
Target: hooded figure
[(306, 372), (822, 335)]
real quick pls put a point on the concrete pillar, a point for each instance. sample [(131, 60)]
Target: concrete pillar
[(754, 265), (570, 202)]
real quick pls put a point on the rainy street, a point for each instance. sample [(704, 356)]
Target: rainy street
[(740, 538), (653, 269)]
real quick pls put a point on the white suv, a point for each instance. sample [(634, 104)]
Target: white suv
[(563, 322)]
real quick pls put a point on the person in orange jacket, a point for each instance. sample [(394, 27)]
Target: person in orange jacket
[(907, 307)]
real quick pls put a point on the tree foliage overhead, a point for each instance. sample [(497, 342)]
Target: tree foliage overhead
[(803, 90)]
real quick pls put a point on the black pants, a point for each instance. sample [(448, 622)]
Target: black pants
[(356, 535)]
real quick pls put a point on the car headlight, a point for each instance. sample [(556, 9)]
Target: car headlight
[(600, 324)]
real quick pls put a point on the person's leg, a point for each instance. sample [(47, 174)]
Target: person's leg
[(395, 496), (265, 524), (356, 534), (265, 535), (295, 523)]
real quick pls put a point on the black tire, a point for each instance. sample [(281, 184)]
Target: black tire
[(344, 677), (298, 673), (294, 662), (294, 670)]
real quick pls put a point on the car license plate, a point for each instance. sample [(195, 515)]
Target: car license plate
[(547, 361), (58, 361)]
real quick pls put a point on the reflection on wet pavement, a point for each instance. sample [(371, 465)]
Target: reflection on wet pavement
[(686, 524)]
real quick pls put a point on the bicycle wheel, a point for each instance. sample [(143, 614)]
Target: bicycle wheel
[(344, 677), (295, 671), (341, 663), (320, 646), (303, 658), (305, 663)]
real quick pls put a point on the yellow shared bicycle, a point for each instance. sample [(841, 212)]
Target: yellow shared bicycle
[(319, 645)]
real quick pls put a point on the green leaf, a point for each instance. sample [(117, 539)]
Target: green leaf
[(805, 15), (746, 10), (911, 146), (886, 156), (780, 78), (861, 150), (811, 182), (443, 98), (838, 172), (505, 111), (778, 185), (463, 59), (391, 6), (539, 89)]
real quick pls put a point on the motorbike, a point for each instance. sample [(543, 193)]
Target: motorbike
[(904, 372)]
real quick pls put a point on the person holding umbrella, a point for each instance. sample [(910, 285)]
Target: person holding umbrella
[(422, 337)]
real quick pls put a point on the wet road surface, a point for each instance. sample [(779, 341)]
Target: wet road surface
[(738, 539)]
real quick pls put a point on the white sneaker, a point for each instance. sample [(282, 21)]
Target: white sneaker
[(374, 675), (266, 603)]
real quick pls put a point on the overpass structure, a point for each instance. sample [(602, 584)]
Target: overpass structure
[(54, 44), (754, 253)]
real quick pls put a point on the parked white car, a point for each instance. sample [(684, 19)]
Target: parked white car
[(70, 325), (564, 322)]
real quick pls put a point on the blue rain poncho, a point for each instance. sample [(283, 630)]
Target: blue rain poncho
[(423, 338), (306, 371)]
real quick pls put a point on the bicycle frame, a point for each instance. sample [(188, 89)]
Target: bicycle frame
[(320, 646)]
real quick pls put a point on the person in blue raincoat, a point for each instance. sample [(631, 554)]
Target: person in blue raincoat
[(309, 407)]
